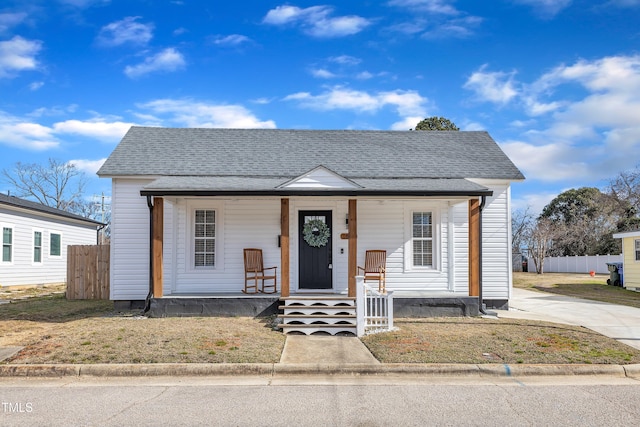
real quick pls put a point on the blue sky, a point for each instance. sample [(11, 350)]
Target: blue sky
[(555, 82)]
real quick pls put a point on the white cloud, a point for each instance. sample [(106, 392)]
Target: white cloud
[(18, 54), (87, 166), (442, 7), (535, 202), (407, 123), (19, 133), (497, 87), (35, 85), (10, 20), (200, 114), (166, 61), (83, 4), (549, 162), (316, 21), (408, 104), (127, 30), (454, 28), (231, 40), (364, 75), (96, 128), (321, 73), (345, 60), (546, 8)]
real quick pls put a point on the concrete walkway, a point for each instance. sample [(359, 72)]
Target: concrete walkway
[(322, 349), (615, 321)]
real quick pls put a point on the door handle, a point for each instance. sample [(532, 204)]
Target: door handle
[(330, 266)]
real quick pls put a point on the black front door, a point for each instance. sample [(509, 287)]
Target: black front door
[(314, 243)]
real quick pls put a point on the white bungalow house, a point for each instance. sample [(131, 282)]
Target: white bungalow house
[(438, 203), (35, 239)]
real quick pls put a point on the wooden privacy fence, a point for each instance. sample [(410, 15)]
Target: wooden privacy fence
[(88, 272)]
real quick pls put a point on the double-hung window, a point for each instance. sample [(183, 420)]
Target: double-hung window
[(637, 248), (422, 239), (37, 247), (7, 244), (204, 238)]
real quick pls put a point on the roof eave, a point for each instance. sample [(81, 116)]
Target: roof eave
[(330, 192)]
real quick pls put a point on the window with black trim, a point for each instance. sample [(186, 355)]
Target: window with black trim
[(422, 239), (637, 244), (204, 238)]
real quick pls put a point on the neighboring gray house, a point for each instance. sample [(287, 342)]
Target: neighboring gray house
[(35, 239), (437, 202)]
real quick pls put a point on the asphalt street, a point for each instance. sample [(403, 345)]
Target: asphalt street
[(319, 401)]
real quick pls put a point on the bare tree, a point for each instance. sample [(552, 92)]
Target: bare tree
[(540, 240), (56, 184), (521, 222)]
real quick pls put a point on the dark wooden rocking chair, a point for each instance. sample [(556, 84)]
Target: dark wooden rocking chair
[(375, 268), (254, 270)]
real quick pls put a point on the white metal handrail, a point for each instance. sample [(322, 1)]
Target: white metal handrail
[(374, 310)]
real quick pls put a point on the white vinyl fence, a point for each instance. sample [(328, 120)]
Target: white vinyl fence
[(576, 264)]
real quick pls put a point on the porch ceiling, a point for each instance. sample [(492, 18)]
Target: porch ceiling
[(268, 186)]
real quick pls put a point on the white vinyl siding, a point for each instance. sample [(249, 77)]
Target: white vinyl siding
[(496, 242), (52, 269), (129, 272), (255, 222)]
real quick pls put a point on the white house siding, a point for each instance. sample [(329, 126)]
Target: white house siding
[(53, 269), (496, 242), (130, 240), (249, 223)]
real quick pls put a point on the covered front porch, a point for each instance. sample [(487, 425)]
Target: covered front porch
[(418, 302)]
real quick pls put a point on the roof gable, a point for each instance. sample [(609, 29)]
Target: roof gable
[(320, 178)]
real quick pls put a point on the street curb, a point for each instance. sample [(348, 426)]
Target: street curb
[(283, 370)]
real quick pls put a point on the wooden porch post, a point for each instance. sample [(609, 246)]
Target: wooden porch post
[(284, 247), (474, 247), (353, 246), (157, 242)]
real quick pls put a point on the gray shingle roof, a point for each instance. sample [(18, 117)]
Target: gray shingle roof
[(279, 153), (38, 207)]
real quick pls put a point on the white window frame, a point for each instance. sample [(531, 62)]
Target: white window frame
[(436, 237), (636, 244), (50, 240), (12, 244), (190, 239), (33, 246)]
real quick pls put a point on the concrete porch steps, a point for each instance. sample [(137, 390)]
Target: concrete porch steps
[(318, 314)]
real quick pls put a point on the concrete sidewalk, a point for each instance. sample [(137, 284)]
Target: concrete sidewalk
[(614, 321), (331, 350)]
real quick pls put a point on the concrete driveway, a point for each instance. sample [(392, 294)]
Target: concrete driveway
[(615, 321)]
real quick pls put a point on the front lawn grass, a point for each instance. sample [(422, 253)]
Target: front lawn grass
[(480, 340)]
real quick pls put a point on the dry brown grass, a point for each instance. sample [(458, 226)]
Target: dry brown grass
[(54, 330), (479, 340), (577, 285)]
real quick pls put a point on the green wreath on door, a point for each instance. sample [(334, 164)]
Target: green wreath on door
[(316, 233)]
